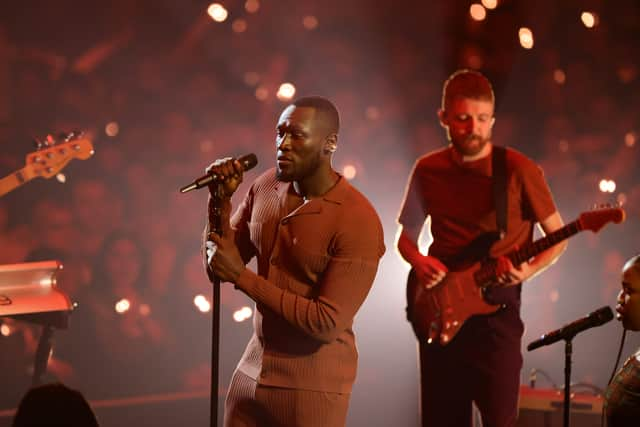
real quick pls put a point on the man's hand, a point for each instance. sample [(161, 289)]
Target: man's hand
[(430, 271), (508, 275), (231, 170), (223, 256)]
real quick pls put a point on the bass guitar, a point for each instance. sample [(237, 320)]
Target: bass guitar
[(48, 161)]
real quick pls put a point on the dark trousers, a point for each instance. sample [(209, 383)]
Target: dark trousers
[(482, 365)]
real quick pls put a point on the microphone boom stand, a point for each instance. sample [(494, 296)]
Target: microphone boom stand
[(568, 350), (216, 191)]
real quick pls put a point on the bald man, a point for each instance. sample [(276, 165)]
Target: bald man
[(318, 242)]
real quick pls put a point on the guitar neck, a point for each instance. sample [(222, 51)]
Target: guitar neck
[(13, 181), (529, 251)]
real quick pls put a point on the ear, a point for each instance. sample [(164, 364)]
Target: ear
[(330, 144), (442, 116)]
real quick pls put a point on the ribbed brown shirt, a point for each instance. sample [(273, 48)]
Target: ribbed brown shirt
[(316, 263)]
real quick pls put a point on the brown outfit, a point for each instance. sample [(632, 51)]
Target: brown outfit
[(316, 263)]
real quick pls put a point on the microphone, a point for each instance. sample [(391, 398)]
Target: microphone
[(248, 161), (568, 331)]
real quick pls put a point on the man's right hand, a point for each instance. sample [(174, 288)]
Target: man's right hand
[(229, 168), (430, 271)]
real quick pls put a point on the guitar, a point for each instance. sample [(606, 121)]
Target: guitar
[(47, 161), (438, 312)]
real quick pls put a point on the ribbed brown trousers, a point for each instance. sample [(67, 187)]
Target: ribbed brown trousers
[(249, 404)]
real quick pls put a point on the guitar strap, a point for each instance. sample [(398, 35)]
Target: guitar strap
[(499, 173)]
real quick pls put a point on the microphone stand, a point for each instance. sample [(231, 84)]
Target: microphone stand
[(568, 350), (216, 193)]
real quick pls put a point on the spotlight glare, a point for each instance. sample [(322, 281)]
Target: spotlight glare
[(630, 139), (526, 37), (477, 12), (286, 91), (61, 178), (217, 12)]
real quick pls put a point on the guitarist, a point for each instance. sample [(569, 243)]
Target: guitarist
[(453, 187)]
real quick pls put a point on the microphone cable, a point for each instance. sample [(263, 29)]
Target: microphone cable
[(615, 368)]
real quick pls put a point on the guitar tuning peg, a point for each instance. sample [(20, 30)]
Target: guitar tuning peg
[(49, 140), (74, 134)]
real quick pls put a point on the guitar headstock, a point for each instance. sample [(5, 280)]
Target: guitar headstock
[(52, 157), (596, 219)]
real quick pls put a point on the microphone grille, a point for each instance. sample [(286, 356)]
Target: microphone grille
[(603, 315), (249, 161)]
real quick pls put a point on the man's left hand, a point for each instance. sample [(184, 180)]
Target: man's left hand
[(508, 275), (223, 257)]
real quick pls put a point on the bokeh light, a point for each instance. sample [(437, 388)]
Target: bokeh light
[(242, 314), (589, 19), (112, 129), (5, 330), (144, 309), (122, 306), (559, 76), (202, 303), (286, 91), (239, 25), (251, 78), (490, 4), (217, 12), (262, 93), (310, 22), (252, 6), (372, 113), (477, 12), (526, 37), (607, 185), (349, 171)]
